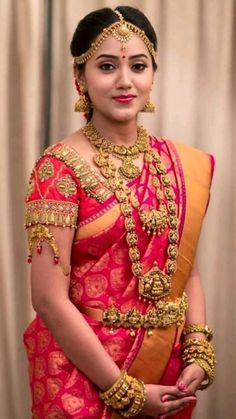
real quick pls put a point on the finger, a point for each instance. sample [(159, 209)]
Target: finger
[(175, 411), (170, 406), (185, 379), (171, 390)]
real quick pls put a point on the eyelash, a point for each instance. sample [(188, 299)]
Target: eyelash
[(137, 67)]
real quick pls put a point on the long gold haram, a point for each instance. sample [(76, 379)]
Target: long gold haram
[(155, 283)]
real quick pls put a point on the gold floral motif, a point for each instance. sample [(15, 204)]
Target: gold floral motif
[(72, 403), (95, 285), (38, 392), (46, 170), (89, 181), (164, 314), (30, 188), (45, 211), (57, 361), (40, 367), (66, 186), (53, 386)]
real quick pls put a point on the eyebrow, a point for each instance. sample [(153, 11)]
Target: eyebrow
[(115, 57)]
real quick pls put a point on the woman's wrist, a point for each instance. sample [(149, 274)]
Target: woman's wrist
[(201, 353), (127, 395)]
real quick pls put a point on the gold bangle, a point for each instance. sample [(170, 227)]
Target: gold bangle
[(127, 395), (198, 328), (200, 352), (138, 402), (196, 342), (106, 395)]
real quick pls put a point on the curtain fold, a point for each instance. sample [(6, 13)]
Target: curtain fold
[(195, 93)]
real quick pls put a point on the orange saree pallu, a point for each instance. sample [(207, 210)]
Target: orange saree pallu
[(63, 190)]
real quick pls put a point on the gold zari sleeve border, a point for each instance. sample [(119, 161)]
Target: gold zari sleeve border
[(51, 212)]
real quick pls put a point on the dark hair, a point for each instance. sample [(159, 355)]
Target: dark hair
[(94, 23)]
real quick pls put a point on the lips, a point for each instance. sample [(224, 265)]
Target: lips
[(124, 98)]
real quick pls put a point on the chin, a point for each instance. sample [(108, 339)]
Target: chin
[(125, 115)]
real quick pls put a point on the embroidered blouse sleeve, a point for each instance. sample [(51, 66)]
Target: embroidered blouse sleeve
[(53, 194)]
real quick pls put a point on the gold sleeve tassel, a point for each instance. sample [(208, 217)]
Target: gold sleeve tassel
[(39, 234)]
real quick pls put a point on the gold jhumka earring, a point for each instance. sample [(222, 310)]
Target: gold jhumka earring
[(149, 107), (83, 104)]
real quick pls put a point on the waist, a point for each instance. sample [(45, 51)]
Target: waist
[(165, 313)]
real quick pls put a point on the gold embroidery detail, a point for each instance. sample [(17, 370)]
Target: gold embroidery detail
[(30, 188), (40, 234), (46, 170), (87, 177), (45, 211), (66, 186), (164, 314)]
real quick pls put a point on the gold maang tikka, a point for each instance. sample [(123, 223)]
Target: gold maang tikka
[(123, 32)]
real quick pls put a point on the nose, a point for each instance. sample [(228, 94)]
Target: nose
[(123, 81)]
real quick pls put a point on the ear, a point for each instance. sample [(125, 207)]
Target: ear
[(79, 75)]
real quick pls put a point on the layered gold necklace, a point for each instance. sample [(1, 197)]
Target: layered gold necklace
[(155, 283)]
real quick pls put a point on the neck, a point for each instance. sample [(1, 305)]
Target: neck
[(120, 133)]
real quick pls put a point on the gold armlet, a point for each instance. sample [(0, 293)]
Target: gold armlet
[(127, 395), (200, 352), (39, 234), (198, 328)]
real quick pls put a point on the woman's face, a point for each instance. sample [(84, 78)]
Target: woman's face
[(119, 79)]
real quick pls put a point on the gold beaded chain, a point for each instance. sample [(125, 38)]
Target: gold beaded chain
[(154, 284)]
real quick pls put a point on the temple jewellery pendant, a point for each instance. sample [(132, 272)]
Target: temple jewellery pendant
[(155, 284), (128, 169)]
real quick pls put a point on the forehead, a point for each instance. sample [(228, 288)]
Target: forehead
[(112, 46)]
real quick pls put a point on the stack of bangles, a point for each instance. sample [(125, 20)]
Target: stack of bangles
[(127, 395), (200, 352)]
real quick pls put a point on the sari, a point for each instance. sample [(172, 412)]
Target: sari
[(64, 190)]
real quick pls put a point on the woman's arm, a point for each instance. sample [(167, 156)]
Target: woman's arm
[(193, 375), (50, 300), (196, 312)]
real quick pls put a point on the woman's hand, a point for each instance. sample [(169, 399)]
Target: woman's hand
[(165, 400), (190, 379)]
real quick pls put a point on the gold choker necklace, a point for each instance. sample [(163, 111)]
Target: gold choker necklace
[(154, 284), (128, 169)]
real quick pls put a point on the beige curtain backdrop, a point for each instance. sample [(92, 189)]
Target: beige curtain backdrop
[(195, 92)]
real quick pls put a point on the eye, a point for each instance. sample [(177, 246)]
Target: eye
[(107, 67), (139, 67)]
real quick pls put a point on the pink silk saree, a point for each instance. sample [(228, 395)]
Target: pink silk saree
[(100, 276)]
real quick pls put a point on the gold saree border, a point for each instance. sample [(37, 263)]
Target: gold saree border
[(99, 224)]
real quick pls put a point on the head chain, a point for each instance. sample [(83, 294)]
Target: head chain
[(122, 31)]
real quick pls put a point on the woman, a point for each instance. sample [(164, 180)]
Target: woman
[(113, 218)]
